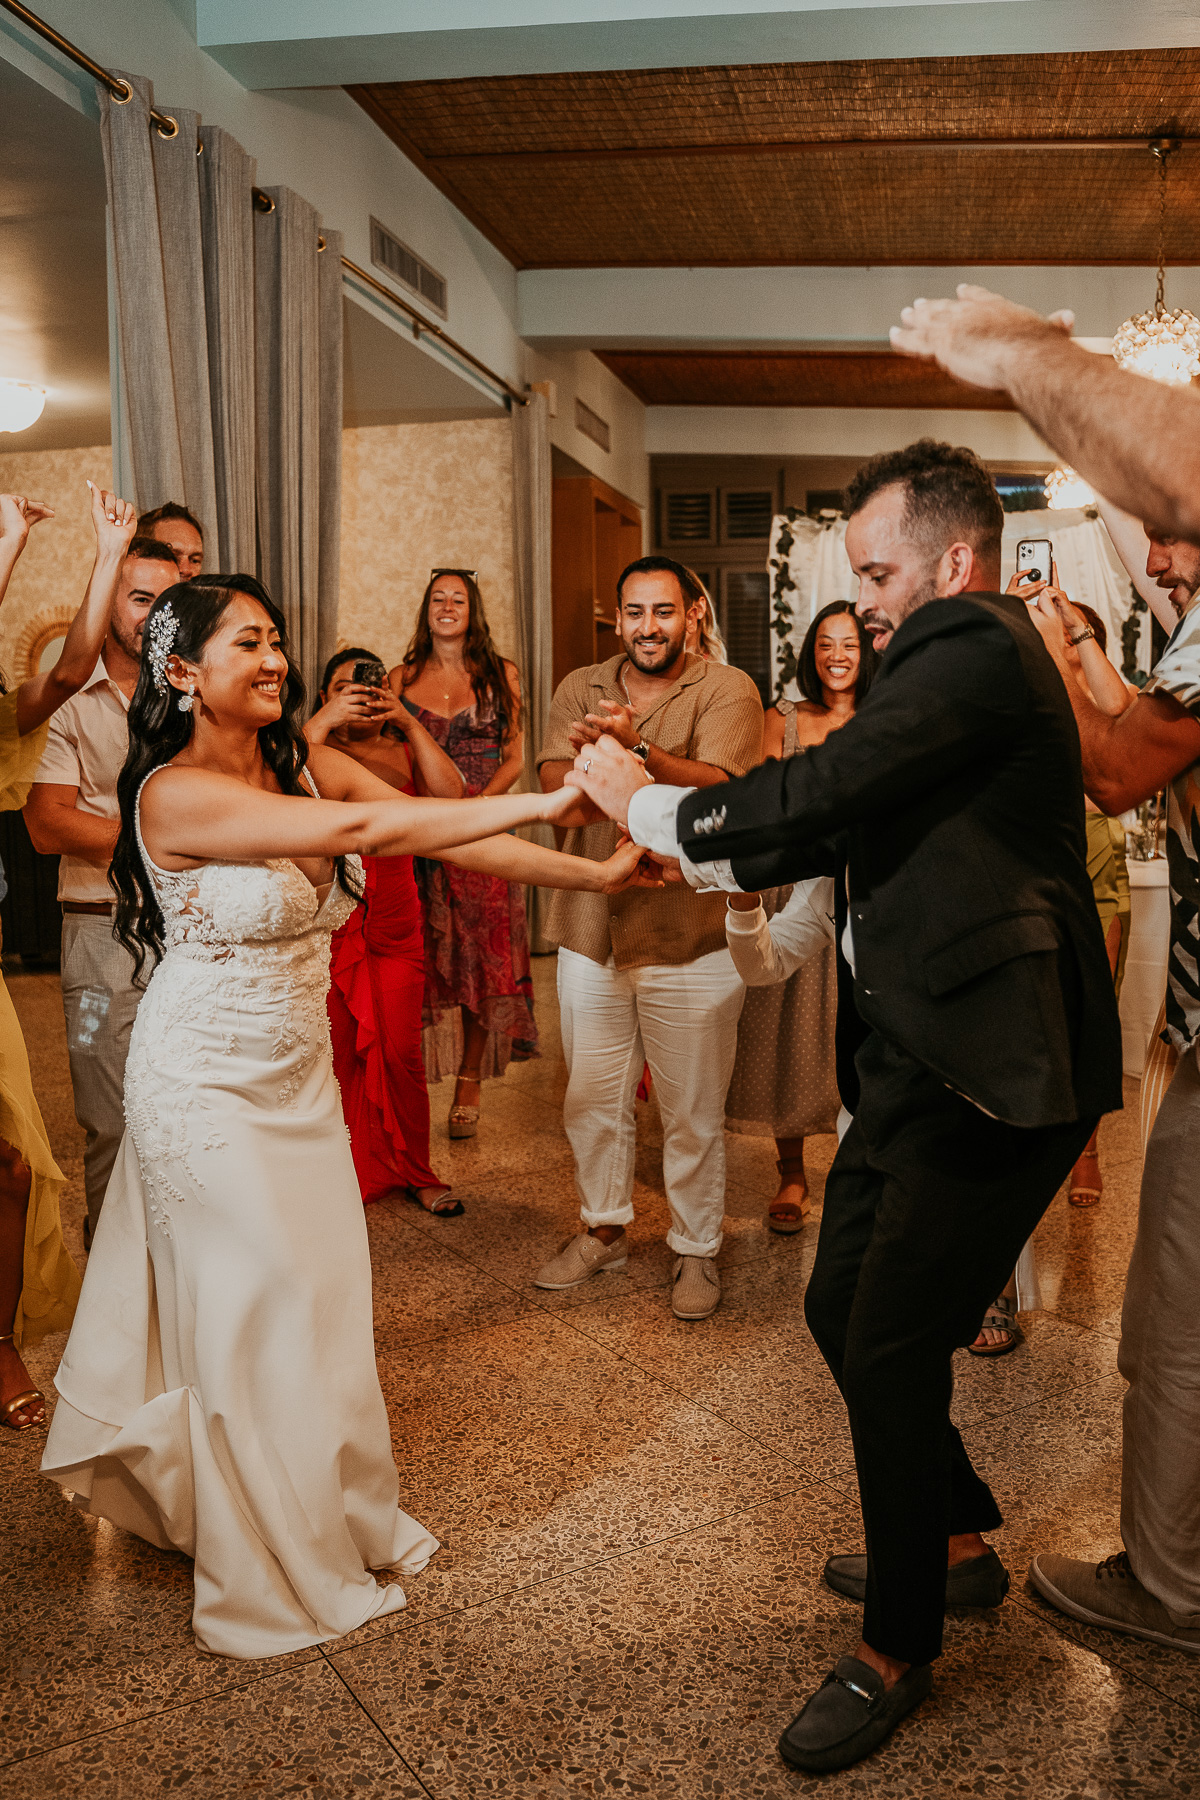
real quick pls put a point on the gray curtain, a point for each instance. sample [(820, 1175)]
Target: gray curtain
[(531, 596), (142, 319), (229, 326), (330, 537), (291, 355), (227, 233), (177, 184)]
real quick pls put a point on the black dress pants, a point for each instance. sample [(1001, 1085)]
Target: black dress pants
[(927, 1206)]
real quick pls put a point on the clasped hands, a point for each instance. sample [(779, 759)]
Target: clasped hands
[(610, 776)]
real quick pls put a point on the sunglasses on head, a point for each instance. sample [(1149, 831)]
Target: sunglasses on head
[(466, 574)]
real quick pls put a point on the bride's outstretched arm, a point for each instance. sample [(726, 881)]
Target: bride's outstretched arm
[(191, 815), (510, 858)]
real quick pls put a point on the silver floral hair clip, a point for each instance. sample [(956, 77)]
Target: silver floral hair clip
[(161, 632)]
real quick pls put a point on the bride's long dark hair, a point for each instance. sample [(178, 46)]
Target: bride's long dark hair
[(158, 731)]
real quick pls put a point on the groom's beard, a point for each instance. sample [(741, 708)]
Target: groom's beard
[(882, 625)]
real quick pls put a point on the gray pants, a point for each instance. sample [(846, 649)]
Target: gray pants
[(100, 1002), (1160, 1359)]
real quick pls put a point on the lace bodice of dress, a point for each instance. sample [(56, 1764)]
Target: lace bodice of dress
[(245, 913)]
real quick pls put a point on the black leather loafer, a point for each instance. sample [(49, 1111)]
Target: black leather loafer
[(983, 1581), (850, 1715)]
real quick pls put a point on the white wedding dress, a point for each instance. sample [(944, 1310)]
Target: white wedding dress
[(218, 1392)]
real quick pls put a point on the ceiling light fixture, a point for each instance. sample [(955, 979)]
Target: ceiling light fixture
[(1165, 345), (1066, 491), (20, 404)]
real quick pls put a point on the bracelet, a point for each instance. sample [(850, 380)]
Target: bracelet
[(1082, 638)]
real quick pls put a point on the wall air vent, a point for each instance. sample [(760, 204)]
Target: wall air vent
[(747, 515), (403, 265), (592, 425), (689, 516)]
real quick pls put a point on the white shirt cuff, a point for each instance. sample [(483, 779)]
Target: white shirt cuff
[(652, 817), (652, 825)]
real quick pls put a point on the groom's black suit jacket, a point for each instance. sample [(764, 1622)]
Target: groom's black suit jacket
[(955, 796)]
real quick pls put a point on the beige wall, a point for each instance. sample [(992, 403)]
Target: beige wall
[(413, 497), (418, 497), (50, 578)]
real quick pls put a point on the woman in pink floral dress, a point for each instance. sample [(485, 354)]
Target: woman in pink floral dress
[(478, 991)]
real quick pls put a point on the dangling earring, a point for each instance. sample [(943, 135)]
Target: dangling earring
[(186, 701)]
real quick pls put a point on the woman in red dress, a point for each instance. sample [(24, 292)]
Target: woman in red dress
[(476, 947), (377, 972)]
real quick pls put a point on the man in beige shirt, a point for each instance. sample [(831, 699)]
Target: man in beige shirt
[(72, 813), (646, 974)]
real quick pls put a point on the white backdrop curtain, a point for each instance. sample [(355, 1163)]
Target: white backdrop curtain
[(808, 567), (230, 348), (532, 495)]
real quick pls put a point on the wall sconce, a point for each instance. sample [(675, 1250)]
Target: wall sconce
[(20, 404)]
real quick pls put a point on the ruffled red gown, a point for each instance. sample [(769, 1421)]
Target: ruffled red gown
[(376, 993)]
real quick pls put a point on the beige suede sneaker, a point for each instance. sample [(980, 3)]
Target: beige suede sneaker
[(697, 1288), (579, 1260), (1109, 1594)]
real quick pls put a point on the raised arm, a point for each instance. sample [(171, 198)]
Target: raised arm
[(1134, 440), (1131, 544), (41, 695), (18, 516), (1128, 757)]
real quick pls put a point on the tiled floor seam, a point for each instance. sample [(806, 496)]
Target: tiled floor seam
[(157, 1712), (1005, 1412), (405, 1621), (370, 1717), (1068, 1628)]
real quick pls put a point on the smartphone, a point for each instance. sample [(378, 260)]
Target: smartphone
[(369, 674), (1034, 558)]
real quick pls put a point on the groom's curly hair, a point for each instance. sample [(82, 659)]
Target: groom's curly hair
[(949, 495)]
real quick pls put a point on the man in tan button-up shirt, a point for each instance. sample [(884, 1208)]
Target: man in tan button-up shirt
[(646, 974)]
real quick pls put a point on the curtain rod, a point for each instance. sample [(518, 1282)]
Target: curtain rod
[(421, 323), (120, 90), (168, 127)]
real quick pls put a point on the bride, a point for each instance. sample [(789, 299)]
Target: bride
[(218, 1392)]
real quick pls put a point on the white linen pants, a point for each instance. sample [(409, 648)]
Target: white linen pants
[(681, 1021)]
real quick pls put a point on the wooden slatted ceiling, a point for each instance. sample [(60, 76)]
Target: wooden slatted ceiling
[(792, 378), (847, 163)]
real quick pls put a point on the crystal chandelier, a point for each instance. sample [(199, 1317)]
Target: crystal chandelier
[(20, 405), (1163, 344), (1066, 490)]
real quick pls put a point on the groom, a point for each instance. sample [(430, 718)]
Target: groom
[(955, 797)]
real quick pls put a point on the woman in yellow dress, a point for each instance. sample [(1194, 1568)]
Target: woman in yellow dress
[(39, 1283)]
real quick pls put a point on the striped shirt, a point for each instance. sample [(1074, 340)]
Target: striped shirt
[(1177, 672), (712, 714)]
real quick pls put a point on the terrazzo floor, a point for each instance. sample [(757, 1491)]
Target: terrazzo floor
[(634, 1513)]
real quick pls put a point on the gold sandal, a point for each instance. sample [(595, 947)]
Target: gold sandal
[(11, 1407), (778, 1222), (464, 1120)]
